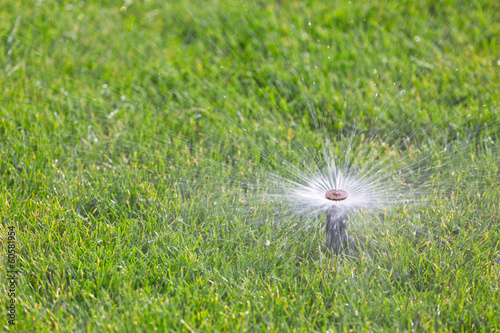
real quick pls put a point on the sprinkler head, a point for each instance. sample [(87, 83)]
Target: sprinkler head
[(336, 194)]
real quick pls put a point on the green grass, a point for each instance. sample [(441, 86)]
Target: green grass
[(132, 121)]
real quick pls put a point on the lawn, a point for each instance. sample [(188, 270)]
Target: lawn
[(138, 141)]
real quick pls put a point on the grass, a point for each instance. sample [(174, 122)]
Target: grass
[(133, 119)]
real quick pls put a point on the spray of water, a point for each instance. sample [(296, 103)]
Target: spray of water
[(307, 190), (382, 180)]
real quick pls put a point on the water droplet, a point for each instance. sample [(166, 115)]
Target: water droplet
[(417, 39), (111, 115)]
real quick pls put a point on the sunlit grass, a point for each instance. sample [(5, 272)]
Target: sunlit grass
[(142, 125)]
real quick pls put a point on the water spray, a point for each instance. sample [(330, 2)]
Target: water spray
[(336, 222)]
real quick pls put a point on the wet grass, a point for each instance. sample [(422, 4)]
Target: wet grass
[(132, 138)]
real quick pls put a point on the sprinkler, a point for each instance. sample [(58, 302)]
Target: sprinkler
[(336, 222), (336, 195)]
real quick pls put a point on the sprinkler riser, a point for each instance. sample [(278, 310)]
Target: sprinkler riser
[(336, 231)]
